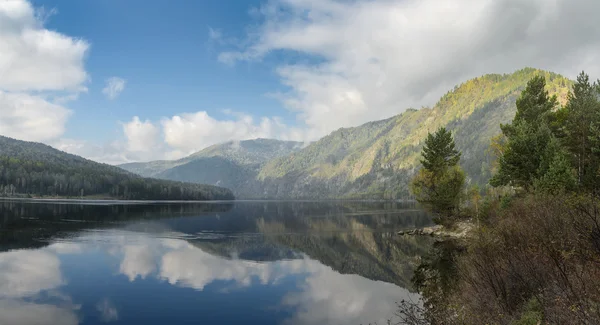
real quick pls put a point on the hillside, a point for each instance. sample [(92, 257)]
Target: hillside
[(234, 165), (377, 159), (35, 169)]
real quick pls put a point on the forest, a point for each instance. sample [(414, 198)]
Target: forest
[(29, 169), (532, 255)]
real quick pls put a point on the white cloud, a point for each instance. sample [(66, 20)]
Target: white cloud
[(178, 136), (31, 118), (141, 135), (18, 312), (327, 297), (35, 58), (36, 64), (191, 267), (323, 296), (366, 60), (25, 273), (193, 131), (114, 86), (138, 260), (363, 60), (320, 295)]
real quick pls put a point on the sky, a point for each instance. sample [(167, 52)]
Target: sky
[(129, 80)]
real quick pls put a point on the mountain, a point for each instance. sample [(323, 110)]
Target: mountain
[(372, 161), (233, 164), (377, 159), (35, 169)]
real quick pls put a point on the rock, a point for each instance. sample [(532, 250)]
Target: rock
[(460, 230)]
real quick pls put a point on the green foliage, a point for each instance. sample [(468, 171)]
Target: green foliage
[(439, 184), (580, 130), (535, 106), (531, 147), (557, 175), (550, 150), (439, 152), (360, 162), (521, 162), (34, 169), (372, 161)]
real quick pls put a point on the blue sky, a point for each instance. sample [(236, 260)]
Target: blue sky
[(189, 74), (165, 54)]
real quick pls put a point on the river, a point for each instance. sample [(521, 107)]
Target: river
[(206, 263)]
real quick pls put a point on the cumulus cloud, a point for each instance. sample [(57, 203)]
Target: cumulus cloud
[(323, 296), (365, 60), (191, 267), (114, 86), (193, 131), (138, 260), (35, 58), (327, 297), (320, 294), (141, 135), (25, 273), (36, 64), (31, 118), (178, 136), (18, 312)]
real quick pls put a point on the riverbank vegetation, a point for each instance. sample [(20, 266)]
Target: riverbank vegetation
[(533, 256)]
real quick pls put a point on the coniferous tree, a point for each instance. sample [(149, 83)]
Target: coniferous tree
[(524, 158), (439, 184), (535, 106), (439, 152), (582, 117), (556, 172)]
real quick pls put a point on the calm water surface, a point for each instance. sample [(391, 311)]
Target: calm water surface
[(211, 263)]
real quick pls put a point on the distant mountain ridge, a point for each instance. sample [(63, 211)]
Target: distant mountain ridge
[(35, 169), (375, 160), (233, 164)]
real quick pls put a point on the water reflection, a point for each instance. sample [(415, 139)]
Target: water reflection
[(270, 265), (27, 276)]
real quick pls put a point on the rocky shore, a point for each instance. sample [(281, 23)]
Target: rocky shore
[(460, 230)]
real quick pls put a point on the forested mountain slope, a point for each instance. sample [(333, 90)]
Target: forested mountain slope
[(377, 159), (35, 169), (233, 164)]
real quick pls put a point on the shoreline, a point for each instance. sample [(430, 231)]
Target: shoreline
[(459, 231)]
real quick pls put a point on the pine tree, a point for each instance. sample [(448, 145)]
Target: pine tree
[(535, 105), (557, 175), (582, 117), (439, 152), (439, 184), (527, 138)]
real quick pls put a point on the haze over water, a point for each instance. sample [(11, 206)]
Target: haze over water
[(206, 263)]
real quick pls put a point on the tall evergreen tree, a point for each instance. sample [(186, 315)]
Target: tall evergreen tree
[(556, 173), (535, 106), (439, 184), (527, 138), (439, 152), (582, 116)]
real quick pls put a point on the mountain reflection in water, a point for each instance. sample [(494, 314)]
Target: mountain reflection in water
[(214, 263)]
